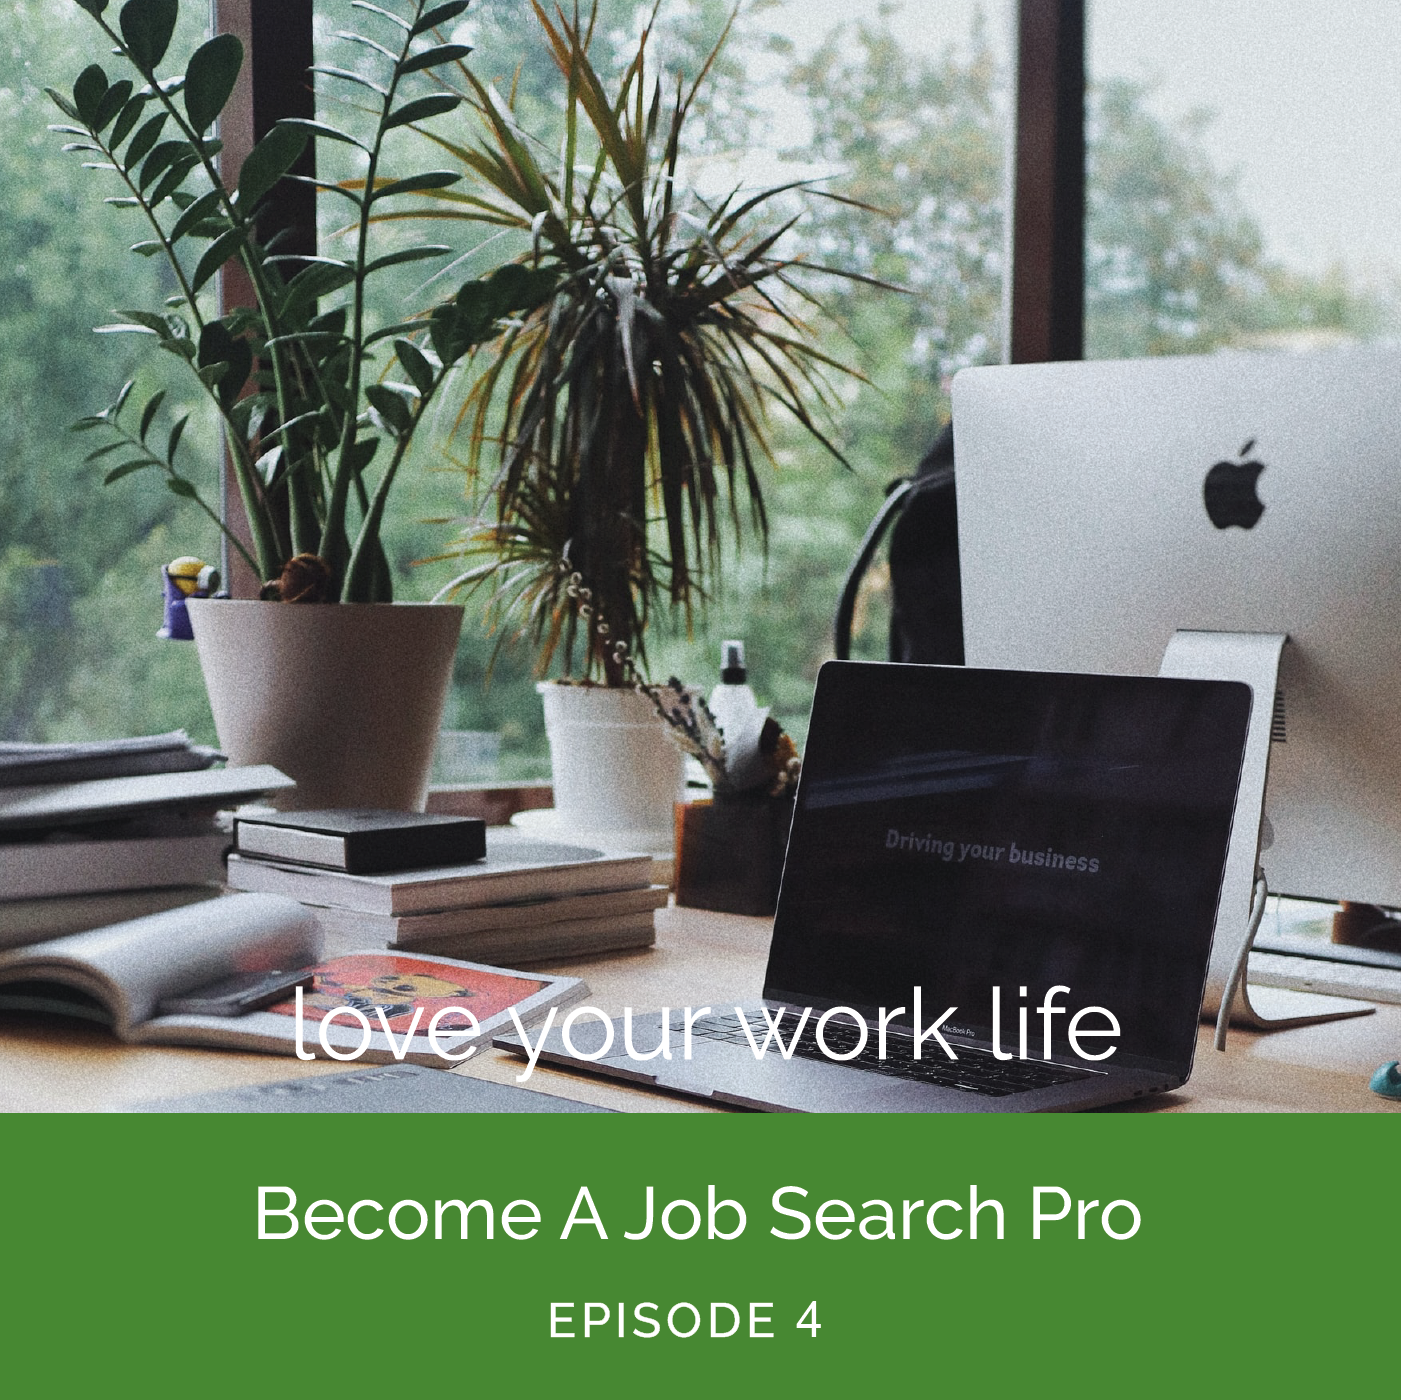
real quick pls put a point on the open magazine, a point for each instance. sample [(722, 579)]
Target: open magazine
[(119, 975)]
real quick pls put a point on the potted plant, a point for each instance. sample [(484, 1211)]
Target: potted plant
[(348, 698), (628, 410)]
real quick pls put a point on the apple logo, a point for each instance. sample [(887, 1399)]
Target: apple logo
[(1229, 492)]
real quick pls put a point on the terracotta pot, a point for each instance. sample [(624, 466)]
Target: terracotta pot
[(346, 698), (615, 770)]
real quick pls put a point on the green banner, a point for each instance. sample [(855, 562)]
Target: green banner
[(1135, 1254)]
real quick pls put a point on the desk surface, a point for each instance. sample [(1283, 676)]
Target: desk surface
[(47, 1064)]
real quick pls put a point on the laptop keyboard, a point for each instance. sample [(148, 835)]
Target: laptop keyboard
[(974, 1072)]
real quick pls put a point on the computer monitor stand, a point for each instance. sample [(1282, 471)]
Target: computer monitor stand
[(1252, 657)]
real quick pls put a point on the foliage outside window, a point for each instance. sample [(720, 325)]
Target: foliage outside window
[(1176, 263)]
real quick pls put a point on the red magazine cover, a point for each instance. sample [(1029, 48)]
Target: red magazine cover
[(400, 983)]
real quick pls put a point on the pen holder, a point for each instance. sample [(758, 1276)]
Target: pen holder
[(729, 852)]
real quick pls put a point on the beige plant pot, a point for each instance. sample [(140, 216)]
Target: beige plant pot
[(346, 698), (615, 769)]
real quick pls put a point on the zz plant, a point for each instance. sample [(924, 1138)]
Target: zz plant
[(299, 381)]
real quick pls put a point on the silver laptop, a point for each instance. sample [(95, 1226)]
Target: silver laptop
[(995, 842)]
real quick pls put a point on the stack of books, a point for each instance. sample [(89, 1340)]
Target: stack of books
[(516, 902), (93, 834)]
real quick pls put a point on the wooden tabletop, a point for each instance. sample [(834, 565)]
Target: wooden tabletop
[(48, 1064)]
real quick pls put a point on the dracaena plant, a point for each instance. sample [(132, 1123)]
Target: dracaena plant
[(626, 416), (315, 429)]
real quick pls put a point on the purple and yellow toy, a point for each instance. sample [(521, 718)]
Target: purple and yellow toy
[(186, 577)]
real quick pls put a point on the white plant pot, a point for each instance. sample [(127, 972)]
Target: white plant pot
[(616, 771), (346, 698)]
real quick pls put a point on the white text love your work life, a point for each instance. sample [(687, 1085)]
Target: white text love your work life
[(445, 1042)]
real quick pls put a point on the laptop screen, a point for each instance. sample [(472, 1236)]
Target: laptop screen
[(960, 830)]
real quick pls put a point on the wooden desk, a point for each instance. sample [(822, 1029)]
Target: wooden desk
[(50, 1065)]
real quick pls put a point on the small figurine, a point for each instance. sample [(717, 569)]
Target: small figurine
[(186, 577)]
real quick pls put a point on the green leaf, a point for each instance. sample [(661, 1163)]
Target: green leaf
[(215, 256), (174, 178), (147, 26), (517, 288), (476, 309), (128, 119), (126, 469), (112, 103), (181, 487), (269, 463), (99, 452), (415, 364), (352, 37), (88, 92), (480, 304), (160, 159), (218, 347), (425, 250), (431, 58), (391, 407), (93, 7), (433, 18), (149, 320), (445, 333), (320, 278), (382, 13), (120, 329), (194, 212), (209, 79), (362, 453), (176, 433), (349, 76), (144, 140), (66, 107), (386, 332), (148, 248), (148, 414), (268, 162), (429, 180), (184, 347), (422, 108), (331, 133)]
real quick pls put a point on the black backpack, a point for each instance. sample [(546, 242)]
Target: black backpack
[(926, 617)]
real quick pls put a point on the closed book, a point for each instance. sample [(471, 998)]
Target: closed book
[(35, 869), (29, 764), (364, 841), (103, 799), (531, 916), (512, 871), (571, 938), (33, 920)]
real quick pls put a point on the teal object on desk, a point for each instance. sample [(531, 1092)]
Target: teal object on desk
[(1387, 1080)]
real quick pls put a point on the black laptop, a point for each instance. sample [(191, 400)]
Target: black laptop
[(1029, 863)]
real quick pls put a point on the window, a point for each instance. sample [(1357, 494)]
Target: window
[(1242, 186), (79, 564), (905, 109)]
